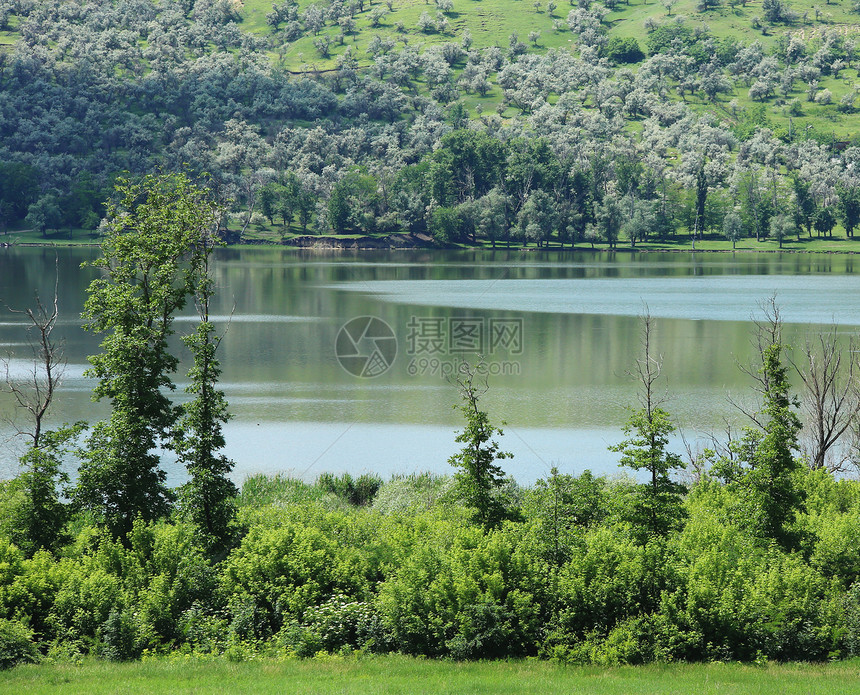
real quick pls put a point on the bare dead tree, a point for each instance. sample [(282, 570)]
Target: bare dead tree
[(648, 369), (35, 394), (768, 332), (831, 399)]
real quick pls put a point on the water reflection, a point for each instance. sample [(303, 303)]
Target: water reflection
[(296, 409)]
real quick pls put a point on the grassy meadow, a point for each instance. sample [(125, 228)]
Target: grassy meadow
[(491, 23), (400, 674)]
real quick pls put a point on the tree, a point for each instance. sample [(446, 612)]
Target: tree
[(624, 50), (538, 218), (19, 187), (824, 221), (761, 467), (491, 215), (733, 227), (44, 214), (830, 400), (781, 226), (209, 494), (608, 218), (805, 202), (849, 206), (479, 479), (353, 202), (563, 506), (657, 508), (151, 231), (39, 520), (467, 165)]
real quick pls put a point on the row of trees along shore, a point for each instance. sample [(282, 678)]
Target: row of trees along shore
[(749, 550), (604, 140)]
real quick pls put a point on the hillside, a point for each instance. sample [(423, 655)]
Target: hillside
[(493, 120)]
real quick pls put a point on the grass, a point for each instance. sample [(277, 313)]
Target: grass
[(399, 674), (491, 22), (271, 234), (53, 238)]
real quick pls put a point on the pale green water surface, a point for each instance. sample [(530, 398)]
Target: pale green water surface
[(562, 389)]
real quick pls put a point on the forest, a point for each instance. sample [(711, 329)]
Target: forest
[(746, 550), (492, 121)]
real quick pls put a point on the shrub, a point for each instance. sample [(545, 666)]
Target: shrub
[(16, 644), (280, 573), (463, 593), (624, 50), (358, 492), (338, 624)]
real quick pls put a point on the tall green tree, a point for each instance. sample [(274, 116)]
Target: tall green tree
[(208, 497), (849, 206), (480, 478), (762, 467), (152, 228), (657, 507), (466, 166)]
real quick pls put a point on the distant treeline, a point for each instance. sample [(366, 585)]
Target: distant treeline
[(609, 141)]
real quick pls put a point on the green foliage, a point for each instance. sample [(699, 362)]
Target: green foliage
[(563, 506), (763, 468), (461, 592), (358, 492), (278, 574), (151, 232), (573, 581), (609, 580), (668, 37), (624, 50), (657, 508), (208, 497), (337, 625), (479, 478), (353, 204), (467, 166), (38, 521), (19, 188), (16, 644)]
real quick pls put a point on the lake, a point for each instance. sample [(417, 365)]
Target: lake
[(341, 361)]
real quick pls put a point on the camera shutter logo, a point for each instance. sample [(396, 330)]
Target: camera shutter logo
[(366, 346)]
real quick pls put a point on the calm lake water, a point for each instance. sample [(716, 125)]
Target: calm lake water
[(559, 334)]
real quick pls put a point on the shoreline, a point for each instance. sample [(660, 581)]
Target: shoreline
[(423, 242)]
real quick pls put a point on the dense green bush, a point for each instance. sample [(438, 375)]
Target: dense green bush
[(463, 593), (280, 573), (16, 644), (358, 492), (570, 580)]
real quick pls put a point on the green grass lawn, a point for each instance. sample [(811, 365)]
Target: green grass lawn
[(272, 234), (52, 238), (397, 674)]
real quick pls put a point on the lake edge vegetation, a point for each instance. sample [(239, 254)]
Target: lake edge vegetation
[(754, 556)]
